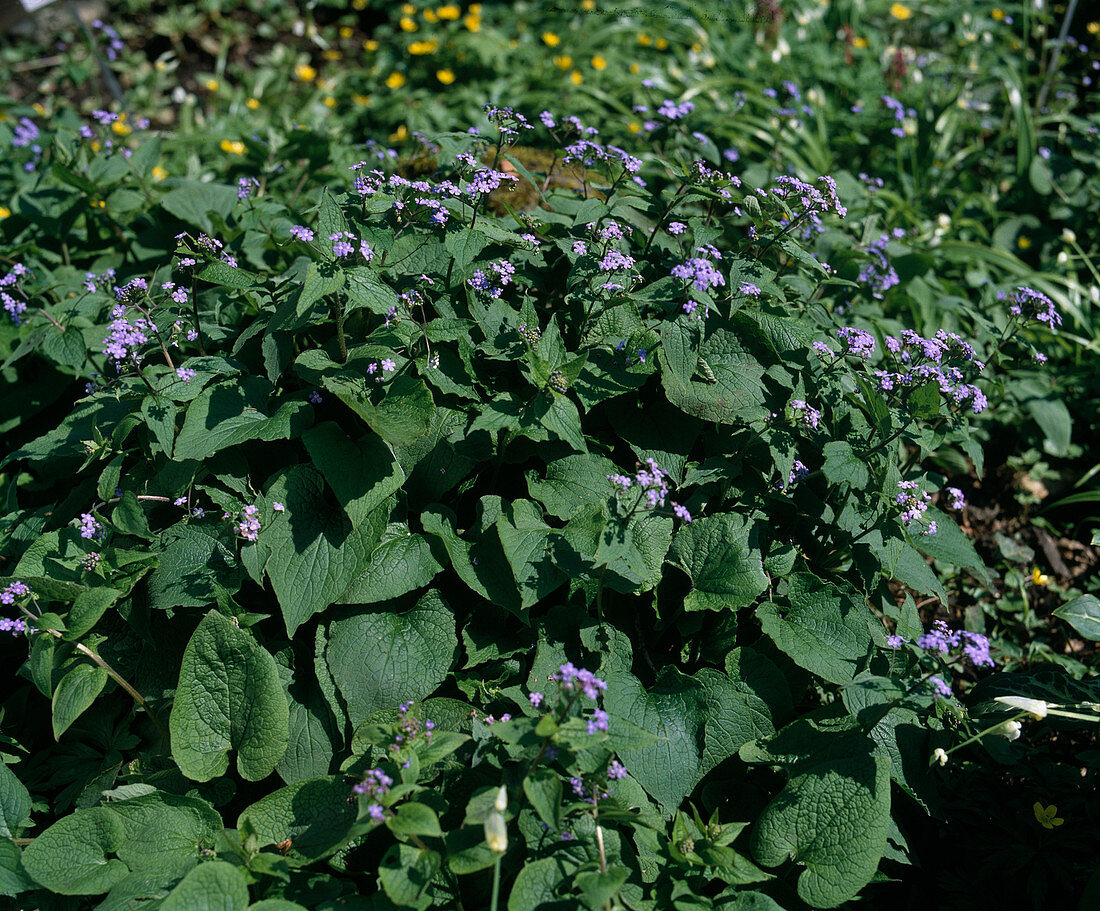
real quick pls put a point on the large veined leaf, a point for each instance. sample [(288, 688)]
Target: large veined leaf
[(315, 815), (213, 886), (229, 698), (833, 819), (71, 856), (732, 393), (380, 658), (721, 556)]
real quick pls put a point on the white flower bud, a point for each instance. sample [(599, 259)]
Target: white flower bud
[(1036, 707), (1068, 236), (940, 756), (1010, 730), (496, 832), (501, 802)]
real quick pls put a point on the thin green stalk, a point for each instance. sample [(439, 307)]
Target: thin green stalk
[(496, 887)]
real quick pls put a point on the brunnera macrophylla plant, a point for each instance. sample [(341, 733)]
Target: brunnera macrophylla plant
[(396, 552)]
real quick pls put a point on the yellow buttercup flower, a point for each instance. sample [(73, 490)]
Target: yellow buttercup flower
[(550, 39), (232, 146), (998, 14), (211, 85), (407, 9), (563, 62), (1038, 577), (1093, 28), (332, 53), (588, 5), (661, 44), (305, 72), (408, 25), (95, 145), (370, 45), (472, 23), (358, 4), (424, 47), (644, 40), (635, 68), (860, 42), (475, 8), (252, 104), (5, 212), (39, 108), (1024, 242), (450, 11), (1047, 817), (445, 76), (634, 126), (430, 16), (361, 100), (576, 78), (159, 173), (599, 63), (100, 204), (122, 129), (401, 133), (395, 80), (330, 102), (345, 31), (900, 11)]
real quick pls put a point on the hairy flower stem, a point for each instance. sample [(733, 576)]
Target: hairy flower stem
[(338, 315)]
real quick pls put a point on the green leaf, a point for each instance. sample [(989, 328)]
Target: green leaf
[(226, 414), (315, 815), (833, 819), (526, 541), (313, 736), (74, 694), (843, 466), (736, 396), (402, 563), (88, 607), (543, 789), (70, 857), (380, 658), (1083, 614), (733, 717), (721, 556), (482, 565), (212, 886), (13, 878), (825, 630), (403, 415), (405, 872), (315, 550), (219, 273), (674, 710), (165, 828), (228, 698), (192, 201), (15, 803), (572, 482), (949, 545), (415, 819), (277, 904), (193, 561), (537, 884), (366, 290)]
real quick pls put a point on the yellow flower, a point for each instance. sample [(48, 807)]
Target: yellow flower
[(1038, 577), (361, 100), (159, 173), (401, 133), (598, 63), (1093, 28), (697, 48), (122, 129), (900, 11), (424, 47), (358, 4), (330, 102), (39, 109), (408, 25), (998, 14), (860, 42), (661, 44), (395, 80), (370, 45), (305, 72), (407, 9), (99, 204), (445, 76), (430, 16), (332, 53), (475, 9), (1047, 817), (5, 212), (550, 39), (635, 68), (95, 145), (576, 78), (1023, 242), (588, 5), (345, 31), (644, 40), (563, 62), (450, 11), (211, 85), (232, 146), (252, 104), (472, 22), (634, 126)]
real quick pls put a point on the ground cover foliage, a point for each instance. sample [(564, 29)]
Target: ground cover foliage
[(419, 493)]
